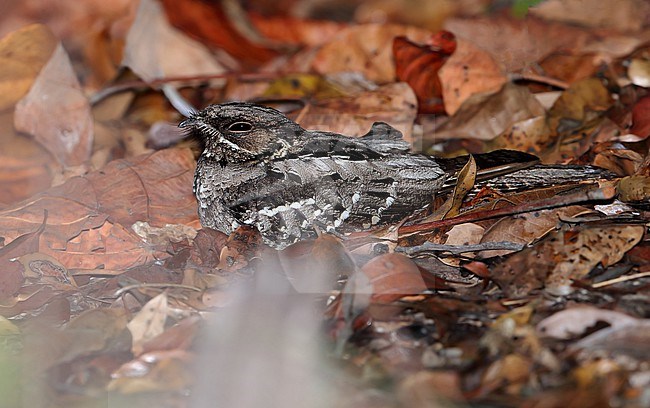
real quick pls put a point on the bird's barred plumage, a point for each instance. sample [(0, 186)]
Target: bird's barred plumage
[(260, 168)]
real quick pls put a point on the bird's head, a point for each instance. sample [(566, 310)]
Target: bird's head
[(239, 131)]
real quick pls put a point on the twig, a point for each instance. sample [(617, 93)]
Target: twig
[(620, 279), (459, 249), (599, 194), (540, 79), (154, 285)]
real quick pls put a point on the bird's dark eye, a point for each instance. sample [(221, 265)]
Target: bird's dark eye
[(239, 127)]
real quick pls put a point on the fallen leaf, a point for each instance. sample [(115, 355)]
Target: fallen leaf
[(366, 49), (290, 30), (623, 15), (23, 53), (57, 113), (149, 322), (485, 116), (12, 272), (210, 24), (634, 189), (469, 71), (575, 321), (641, 117), (394, 104), (583, 102), (564, 256), (156, 50), (393, 276), (418, 65), (527, 227), (90, 217), (529, 135)]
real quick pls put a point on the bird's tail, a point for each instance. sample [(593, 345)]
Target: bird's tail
[(510, 170)]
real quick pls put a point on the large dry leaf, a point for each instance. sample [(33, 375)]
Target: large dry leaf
[(484, 116), (209, 22), (418, 65), (564, 256), (291, 30), (366, 49), (517, 44), (527, 227), (623, 15), (154, 49), (25, 166), (57, 113), (469, 71), (149, 322), (393, 276), (582, 102), (575, 321), (394, 104), (12, 271), (90, 217), (22, 55)]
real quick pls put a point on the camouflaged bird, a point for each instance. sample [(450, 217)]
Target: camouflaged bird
[(262, 169)]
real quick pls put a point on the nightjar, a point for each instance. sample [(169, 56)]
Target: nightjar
[(260, 168)]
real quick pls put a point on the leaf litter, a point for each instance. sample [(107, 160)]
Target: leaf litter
[(110, 290)]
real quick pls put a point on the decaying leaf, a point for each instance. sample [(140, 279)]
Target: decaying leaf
[(57, 113), (149, 322), (575, 321), (155, 50), (90, 217), (418, 66), (22, 55), (366, 49), (564, 256), (469, 71), (485, 116)]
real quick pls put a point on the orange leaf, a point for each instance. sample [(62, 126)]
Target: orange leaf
[(418, 66)]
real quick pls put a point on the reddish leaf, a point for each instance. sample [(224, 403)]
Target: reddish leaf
[(418, 65), (641, 117), (393, 276), (11, 271), (208, 22)]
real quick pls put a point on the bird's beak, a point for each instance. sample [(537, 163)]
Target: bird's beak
[(188, 123)]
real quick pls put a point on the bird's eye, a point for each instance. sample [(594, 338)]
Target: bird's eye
[(239, 127)]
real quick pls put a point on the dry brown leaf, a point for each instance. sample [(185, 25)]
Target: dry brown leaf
[(12, 272), (484, 116), (529, 135), (584, 101), (289, 30), (366, 49), (517, 43), (418, 65), (527, 227), (149, 322), (394, 104), (634, 189), (155, 50), (564, 256), (623, 15), (575, 321), (155, 371), (210, 23), (393, 276), (56, 112), (627, 339), (79, 234), (22, 55), (469, 71)]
